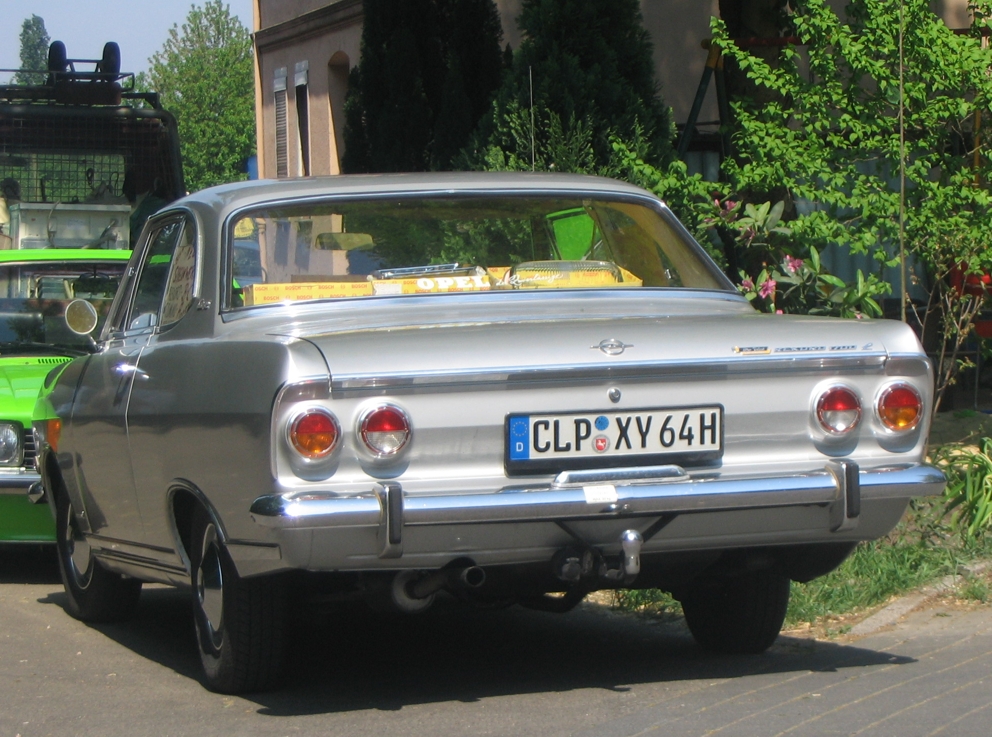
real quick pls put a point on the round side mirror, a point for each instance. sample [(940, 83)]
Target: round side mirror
[(80, 317)]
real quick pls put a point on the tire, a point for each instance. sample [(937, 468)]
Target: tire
[(111, 61), (743, 614), (57, 60), (240, 623), (93, 594)]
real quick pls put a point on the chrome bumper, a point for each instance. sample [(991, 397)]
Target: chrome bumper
[(600, 494), (17, 482)]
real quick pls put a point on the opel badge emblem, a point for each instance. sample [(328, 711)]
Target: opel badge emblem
[(612, 346)]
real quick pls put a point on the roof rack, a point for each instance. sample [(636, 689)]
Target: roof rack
[(65, 84)]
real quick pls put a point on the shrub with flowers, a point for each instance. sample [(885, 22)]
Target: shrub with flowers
[(798, 285), (781, 276)]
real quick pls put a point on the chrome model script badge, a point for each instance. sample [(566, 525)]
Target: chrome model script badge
[(612, 346)]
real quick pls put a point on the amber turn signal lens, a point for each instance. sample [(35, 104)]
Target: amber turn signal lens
[(54, 433), (838, 410), (314, 433), (900, 407)]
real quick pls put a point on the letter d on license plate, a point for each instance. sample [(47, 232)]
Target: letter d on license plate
[(550, 443)]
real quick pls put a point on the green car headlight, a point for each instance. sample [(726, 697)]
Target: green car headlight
[(10, 444)]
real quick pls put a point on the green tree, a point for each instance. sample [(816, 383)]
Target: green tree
[(848, 135), (34, 50), (428, 70), (204, 76), (588, 67), (874, 153)]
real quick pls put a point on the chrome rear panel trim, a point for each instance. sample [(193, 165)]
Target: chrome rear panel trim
[(692, 369)]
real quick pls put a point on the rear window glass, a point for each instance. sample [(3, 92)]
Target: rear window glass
[(380, 247)]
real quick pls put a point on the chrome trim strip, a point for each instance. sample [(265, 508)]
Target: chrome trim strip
[(545, 503), (699, 368)]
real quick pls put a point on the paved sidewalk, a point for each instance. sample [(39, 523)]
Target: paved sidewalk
[(510, 673), (929, 674)]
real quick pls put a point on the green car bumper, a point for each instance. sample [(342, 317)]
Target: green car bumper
[(22, 521)]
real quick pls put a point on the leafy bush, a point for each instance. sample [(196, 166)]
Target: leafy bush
[(968, 494)]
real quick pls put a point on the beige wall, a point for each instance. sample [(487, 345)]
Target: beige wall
[(326, 39), (275, 12)]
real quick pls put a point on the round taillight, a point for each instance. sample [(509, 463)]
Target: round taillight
[(385, 430), (900, 407), (314, 433), (838, 410)]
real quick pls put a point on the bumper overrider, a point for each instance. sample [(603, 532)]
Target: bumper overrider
[(840, 487)]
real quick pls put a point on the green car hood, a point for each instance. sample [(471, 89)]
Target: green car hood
[(21, 378)]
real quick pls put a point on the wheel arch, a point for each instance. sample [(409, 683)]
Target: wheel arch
[(183, 497)]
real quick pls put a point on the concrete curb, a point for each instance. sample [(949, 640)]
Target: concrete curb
[(902, 606)]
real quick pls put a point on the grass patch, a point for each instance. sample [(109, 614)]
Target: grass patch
[(918, 551), (976, 589), (921, 549)]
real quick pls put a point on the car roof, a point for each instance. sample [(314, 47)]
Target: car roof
[(225, 198)]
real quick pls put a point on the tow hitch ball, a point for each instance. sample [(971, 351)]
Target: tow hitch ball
[(573, 564)]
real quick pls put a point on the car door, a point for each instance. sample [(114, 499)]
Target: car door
[(160, 441), (99, 417)]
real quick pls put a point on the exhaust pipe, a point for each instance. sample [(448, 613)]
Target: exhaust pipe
[(469, 577), (412, 593)]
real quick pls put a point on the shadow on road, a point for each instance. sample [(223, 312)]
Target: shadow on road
[(351, 658)]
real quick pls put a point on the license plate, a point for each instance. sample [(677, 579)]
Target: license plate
[(549, 443)]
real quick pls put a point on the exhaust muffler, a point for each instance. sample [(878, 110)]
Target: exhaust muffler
[(412, 592)]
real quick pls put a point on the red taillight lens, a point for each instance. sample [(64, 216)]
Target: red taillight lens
[(385, 430), (314, 433), (838, 410), (900, 407)]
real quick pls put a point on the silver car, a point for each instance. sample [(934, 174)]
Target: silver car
[(513, 388)]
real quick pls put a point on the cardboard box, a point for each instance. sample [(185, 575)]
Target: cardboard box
[(261, 294)]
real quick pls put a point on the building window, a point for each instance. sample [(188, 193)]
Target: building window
[(282, 124), (300, 81)]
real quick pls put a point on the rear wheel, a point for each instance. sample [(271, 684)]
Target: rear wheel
[(240, 623), (742, 614), (93, 594)]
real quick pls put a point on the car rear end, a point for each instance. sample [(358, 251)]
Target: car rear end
[(801, 441)]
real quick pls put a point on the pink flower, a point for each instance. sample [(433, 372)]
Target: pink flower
[(748, 285), (792, 265), (767, 288), (779, 312)]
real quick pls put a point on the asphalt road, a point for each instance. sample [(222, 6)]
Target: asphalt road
[(455, 671)]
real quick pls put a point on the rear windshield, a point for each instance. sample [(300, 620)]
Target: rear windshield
[(381, 247)]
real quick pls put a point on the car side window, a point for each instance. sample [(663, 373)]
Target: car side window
[(164, 290), (179, 287)]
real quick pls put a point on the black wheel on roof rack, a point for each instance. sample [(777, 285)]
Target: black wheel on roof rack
[(57, 60), (111, 61)]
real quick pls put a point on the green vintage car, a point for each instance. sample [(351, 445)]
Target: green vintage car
[(35, 286)]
